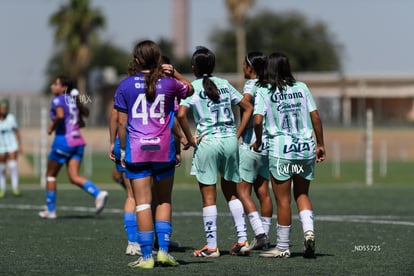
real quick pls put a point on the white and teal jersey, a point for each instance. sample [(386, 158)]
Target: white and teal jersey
[(248, 136), (8, 139), (214, 119), (288, 124)]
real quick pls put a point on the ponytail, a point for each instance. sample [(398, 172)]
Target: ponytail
[(147, 56), (151, 80), (83, 112), (203, 62), (211, 89), (74, 94)]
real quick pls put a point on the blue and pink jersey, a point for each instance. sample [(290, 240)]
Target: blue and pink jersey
[(69, 127), (149, 123)]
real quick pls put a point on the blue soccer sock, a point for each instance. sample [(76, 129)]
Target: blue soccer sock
[(90, 188), (130, 224), (145, 240), (163, 229), (51, 200)]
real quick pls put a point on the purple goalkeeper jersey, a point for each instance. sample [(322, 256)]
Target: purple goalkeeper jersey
[(69, 126), (149, 123)]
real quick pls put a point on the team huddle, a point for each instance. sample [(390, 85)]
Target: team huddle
[(279, 139)]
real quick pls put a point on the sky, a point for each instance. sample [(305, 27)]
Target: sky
[(377, 35)]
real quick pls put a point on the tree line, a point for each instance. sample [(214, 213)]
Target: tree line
[(79, 50)]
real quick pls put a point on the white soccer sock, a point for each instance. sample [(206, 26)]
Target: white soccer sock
[(2, 176), (14, 173), (267, 223), (237, 211), (210, 225), (256, 223), (283, 236), (306, 217)]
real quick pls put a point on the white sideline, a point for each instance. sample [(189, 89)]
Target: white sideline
[(390, 220)]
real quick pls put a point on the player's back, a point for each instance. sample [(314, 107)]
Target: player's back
[(214, 118)]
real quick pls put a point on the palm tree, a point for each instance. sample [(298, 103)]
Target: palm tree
[(238, 9), (76, 26)]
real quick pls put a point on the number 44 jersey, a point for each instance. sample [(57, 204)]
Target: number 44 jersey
[(149, 126)]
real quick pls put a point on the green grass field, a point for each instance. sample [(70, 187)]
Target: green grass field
[(360, 230)]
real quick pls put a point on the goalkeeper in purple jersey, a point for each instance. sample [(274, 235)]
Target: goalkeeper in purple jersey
[(145, 104), (66, 114)]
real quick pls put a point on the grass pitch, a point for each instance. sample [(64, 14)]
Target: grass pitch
[(359, 231)]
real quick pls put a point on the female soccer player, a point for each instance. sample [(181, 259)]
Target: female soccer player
[(291, 118), (10, 146), (217, 149), (254, 166), (145, 104), (67, 117), (119, 174)]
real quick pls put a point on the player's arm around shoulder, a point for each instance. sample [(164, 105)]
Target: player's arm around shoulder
[(177, 75)]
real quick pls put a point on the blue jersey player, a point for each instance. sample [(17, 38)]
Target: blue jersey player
[(66, 114), (145, 104)]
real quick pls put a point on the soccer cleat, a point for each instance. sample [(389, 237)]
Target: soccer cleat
[(240, 249), (260, 242), (16, 192), (101, 201), (165, 259), (276, 253), (142, 263), (133, 248), (47, 215), (309, 245), (207, 253), (2, 194)]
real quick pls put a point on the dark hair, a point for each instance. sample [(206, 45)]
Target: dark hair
[(165, 60), (147, 56), (203, 62), (65, 81), (279, 74), (255, 60), (258, 62), (83, 110)]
